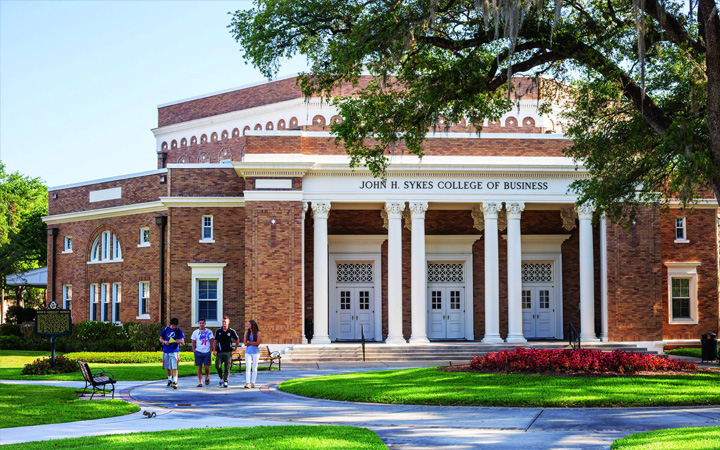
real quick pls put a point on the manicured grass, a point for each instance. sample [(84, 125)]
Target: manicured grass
[(23, 405), (287, 437), (13, 361), (431, 386), (694, 352), (697, 438)]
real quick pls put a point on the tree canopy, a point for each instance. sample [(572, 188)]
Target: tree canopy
[(642, 78), (23, 234)]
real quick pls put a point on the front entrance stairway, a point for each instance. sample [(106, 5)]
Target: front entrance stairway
[(442, 352)]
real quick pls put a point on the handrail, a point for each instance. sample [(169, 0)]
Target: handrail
[(362, 339), (574, 339)]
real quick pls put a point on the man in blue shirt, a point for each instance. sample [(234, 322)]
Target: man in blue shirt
[(172, 337)]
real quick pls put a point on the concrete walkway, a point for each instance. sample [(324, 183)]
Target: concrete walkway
[(399, 426)]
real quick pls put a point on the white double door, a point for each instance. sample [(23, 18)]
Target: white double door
[(355, 313), (446, 312), (538, 311)]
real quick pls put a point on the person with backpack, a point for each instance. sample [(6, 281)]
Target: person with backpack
[(172, 338)]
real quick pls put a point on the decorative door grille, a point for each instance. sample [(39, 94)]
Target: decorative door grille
[(445, 273), (355, 273), (532, 272)]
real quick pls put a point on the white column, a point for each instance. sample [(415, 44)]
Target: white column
[(305, 207), (603, 280), (321, 211), (394, 213), (492, 274), (514, 272), (418, 291), (587, 279)]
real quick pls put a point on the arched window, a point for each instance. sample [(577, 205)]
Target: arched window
[(106, 247)]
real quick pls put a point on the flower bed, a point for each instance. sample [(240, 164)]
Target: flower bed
[(532, 360), (41, 366)]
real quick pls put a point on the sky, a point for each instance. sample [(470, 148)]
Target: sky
[(80, 81)]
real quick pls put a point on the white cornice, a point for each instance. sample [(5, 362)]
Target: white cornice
[(457, 244), (207, 202), (115, 211), (272, 168), (206, 265), (200, 166), (273, 196), (701, 203), (106, 180), (682, 264), (357, 244)]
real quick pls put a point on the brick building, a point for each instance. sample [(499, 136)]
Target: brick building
[(254, 213)]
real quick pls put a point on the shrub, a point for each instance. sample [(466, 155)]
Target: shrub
[(18, 314), (694, 352), (126, 357), (143, 336), (579, 361), (94, 331), (41, 366), (10, 329)]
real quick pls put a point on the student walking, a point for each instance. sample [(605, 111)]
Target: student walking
[(252, 353), (172, 337), (223, 350), (203, 342)]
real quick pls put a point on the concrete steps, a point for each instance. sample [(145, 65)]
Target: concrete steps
[(446, 351)]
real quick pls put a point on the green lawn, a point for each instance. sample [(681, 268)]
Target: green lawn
[(430, 386), (699, 438), (290, 437), (23, 405), (13, 361), (694, 352)]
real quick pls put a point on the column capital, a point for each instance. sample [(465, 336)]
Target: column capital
[(491, 209), (417, 209), (321, 210), (585, 211), (514, 209), (394, 210), (305, 206)]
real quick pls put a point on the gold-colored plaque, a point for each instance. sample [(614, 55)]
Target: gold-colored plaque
[(53, 322)]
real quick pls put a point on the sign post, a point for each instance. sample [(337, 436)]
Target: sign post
[(53, 322)]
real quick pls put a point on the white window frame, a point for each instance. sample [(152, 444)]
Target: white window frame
[(687, 270), (106, 248), (116, 302), (203, 239), (141, 291), (67, 296), (144, 237), (93, 301), (67, 245), (104, 301), (207, 271), (683, 227)]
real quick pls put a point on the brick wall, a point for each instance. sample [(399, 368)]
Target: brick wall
[(139, 264), (184, 247), (206, 183), (701, 226), (273, 275), (134, 190)]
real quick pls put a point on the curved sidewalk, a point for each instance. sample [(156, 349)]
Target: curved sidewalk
[(399, 426)]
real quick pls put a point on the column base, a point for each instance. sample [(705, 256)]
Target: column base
[(321, 340), (588, 338), (304, 340), (603, 338), (517, 339), (395, 340), (419, 340), (492, 339)]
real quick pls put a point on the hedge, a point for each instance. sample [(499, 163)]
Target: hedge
[(125, 357)]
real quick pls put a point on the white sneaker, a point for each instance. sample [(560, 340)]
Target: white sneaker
[(225, 384)]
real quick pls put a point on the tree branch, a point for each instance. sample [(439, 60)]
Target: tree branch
[(671, 25)]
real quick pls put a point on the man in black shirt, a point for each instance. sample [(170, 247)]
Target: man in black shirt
[(223, 349)]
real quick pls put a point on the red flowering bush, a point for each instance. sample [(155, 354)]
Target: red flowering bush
[(532, 360), (41, 366)]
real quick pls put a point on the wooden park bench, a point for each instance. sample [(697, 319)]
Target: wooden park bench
[(238, 357), (99, 380)]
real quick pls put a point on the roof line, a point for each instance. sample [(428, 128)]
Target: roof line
[(105, 180)]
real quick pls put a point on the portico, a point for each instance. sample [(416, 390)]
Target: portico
[(378, 283)]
